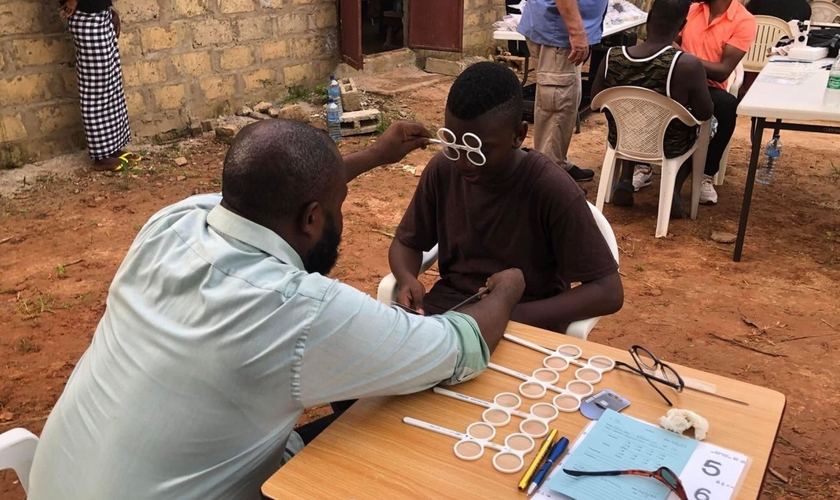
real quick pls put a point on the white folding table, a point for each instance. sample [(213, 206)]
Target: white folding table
[(779, 103)]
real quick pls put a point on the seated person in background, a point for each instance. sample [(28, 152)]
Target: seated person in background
[(658, 66), (788, 10), (518, 209), (719, 33)]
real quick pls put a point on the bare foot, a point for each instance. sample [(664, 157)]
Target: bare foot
[(107, 164)]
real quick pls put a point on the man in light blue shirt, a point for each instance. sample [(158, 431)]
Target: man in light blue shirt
[(220, 328), (559, 33)]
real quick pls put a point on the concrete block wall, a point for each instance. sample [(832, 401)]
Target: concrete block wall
[(183, 60)]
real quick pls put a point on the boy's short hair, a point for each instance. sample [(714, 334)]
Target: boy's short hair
[(486, 87)]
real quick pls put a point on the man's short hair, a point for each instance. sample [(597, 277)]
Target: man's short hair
[(483, 88), (275, 167), (667, 16)]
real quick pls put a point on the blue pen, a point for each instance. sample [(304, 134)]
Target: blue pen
[(555, 453)]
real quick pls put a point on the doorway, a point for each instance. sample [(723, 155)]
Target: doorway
[(368, 27), (382, 26)]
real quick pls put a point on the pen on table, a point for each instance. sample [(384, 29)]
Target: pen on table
[(555, 453), (523, 483)]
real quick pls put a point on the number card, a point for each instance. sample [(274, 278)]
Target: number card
[(713, 473)]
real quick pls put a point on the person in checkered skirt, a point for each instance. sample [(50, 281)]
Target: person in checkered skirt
[(95, 27)]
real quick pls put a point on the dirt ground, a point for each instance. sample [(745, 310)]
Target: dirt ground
[(63, 237)]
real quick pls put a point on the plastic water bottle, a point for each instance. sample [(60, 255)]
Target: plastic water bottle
[(772, 155), (832, 90), (334, 120), (334, 92)]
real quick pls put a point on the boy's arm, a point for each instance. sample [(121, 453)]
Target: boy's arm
[(598, 84), (416, 233), (690, 71), (589, 300), (405, 263)]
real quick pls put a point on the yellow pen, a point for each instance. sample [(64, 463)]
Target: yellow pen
[(523, 483)]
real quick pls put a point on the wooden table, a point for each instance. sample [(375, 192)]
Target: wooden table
[(370, 453)]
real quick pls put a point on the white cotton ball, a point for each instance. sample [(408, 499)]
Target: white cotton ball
[(679, 421)]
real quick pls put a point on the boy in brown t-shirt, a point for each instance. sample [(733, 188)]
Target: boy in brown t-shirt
[(518, 210)]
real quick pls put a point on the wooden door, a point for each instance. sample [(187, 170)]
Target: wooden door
[(350, 32), (436, 25)]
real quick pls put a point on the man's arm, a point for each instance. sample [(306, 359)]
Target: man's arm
[(720, 71), (570, 13), (690, 71), (392, 146), (357, 347), (596, 298)]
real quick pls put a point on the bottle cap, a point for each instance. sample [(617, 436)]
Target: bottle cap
[(331, 100)]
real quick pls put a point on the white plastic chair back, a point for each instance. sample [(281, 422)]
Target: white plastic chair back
[(825, 11), (17, 449), (770, 31), (641, 117)]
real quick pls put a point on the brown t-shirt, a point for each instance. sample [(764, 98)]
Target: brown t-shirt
[(537, 220)]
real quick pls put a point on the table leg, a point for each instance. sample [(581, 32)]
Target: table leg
[(757, 136)]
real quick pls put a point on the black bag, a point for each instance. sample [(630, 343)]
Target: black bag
[(826, 37)]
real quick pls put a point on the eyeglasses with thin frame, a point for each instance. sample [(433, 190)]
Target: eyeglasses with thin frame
[(663, 474), (654, 370)]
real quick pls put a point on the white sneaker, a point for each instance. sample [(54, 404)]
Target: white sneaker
[(642, 175), (708, 195)]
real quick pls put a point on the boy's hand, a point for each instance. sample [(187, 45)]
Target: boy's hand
[(511, 282), (68, 9), (400, 139), (411, 295)]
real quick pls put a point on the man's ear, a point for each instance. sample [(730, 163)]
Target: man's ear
[(521, 133), (311, 222)]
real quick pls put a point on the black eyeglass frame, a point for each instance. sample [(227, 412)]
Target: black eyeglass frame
[(659, 367)]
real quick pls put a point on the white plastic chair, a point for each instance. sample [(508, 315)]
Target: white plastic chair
[(17, 449), (825, 11), (641, 117), (734, 86), (770, 31), (388, 287)]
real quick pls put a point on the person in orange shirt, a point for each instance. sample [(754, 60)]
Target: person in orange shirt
[(719, 33)]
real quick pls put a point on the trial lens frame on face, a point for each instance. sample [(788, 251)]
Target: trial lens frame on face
[(452, 150)]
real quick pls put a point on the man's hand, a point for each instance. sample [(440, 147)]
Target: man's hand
[(115, 20), (68, 8), (411, 295), (580, 48), (400, 139), (509, 281)]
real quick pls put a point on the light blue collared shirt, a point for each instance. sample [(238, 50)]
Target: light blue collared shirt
[(213, 341), (541, 22)]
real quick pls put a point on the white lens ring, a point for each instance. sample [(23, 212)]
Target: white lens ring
[(588, 374), (556, 363), (532, 389), (481, 431), (566, 402), (508, 400), (520, 443), (534, 427), (508, 462), (469, 138), (446, 136), (451, 153), (468, 449), (496, 417), (602, 363), (569, 351), (546, 375), (545, 411), (477, 158), (580, 388)]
